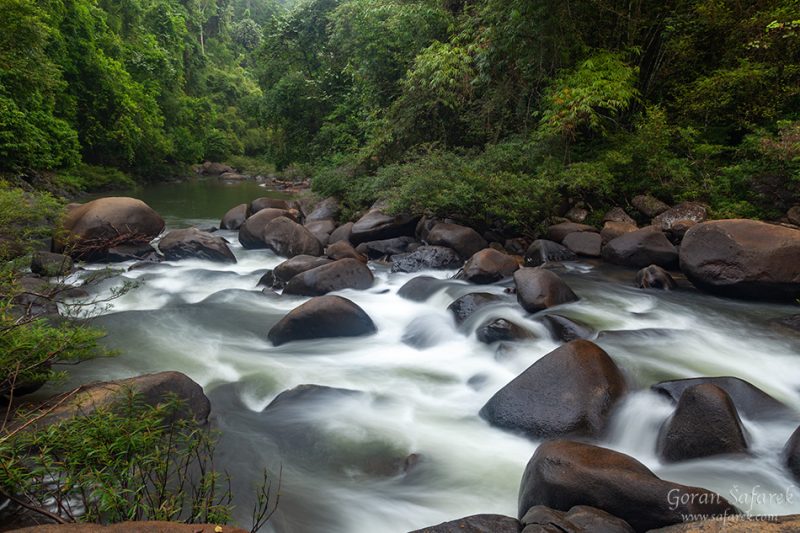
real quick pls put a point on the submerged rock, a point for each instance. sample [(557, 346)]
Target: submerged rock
[(322, 317), (465, 306), (500, 329), (655, 277)]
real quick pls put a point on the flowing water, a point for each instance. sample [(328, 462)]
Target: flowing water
[(345, 455)]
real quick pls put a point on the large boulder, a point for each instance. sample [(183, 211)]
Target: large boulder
[(465, 306), (191, 243), (288, 238), (749, 400), (49, 265), (90, 229), (266, 203), (321, 229), (557, 232), (705, 423), (542, 251), (344, 250), (387, 247), (342, 233), (426, 258), (335, 276), (322, 317), (563, 474), (579, 519), (326, 209), (648, 205), (296, 265), (791, 454), (539, 289), (584, 243), (465, 241), (640, 248), (251, 232), (479, 523), (234, 217), (611, 230), (655, 277), (743, 259), (683, 211), (377, 225), (488, 266), (569, 391), (617, 214), (421, 288), (211, 168)]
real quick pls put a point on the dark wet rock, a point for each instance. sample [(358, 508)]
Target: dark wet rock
[(322, 317), (655, 277), (743, 259), (342, 233), (749, 400), (426, 258), (791, 454), (465, 241), (50, 265), (648, 205), (296, 265), (344, 250), (424, 225), (543, 251), (683, 211), (335, 276), (577, 214), (705, 423), (377, 225), (563, 474), (488, 266), (92, 228), (557, 232), (500, 329), (251, 233), (539, 289), (420, 288), (617, 214), (611, 230), (516, 246), (268, 280), (579, 519), (131, 252), (584, 243), (677, 232), (191, 243), (566, 329), (479, 523), (260, 204), (234, 218), (386, 247), (288, 238), (321, 229), (640, 248), (569, 391), (326, 209), (465, 306)]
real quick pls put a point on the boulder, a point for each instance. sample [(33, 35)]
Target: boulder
[(743, 259), (296, 265), (420, 288), (563, 474), (465, 241), (579, 519), (705, 423), (516, 246), (648, 205), (748, 399), (260, 204), (335, 276), (322, 317), (479, 523), (565, 329), (793, 215), (344, 250), (426, 258), (577, 214), (539, 289), (611, 230), (683, 211), (90, 229), (424, 225), (50, 265), (750, 524), (542, 251), (569, 391), (210, 168), (288, 238), (377, 225), (342, 233), (488, 266), (584, 243), (557, 232), (791, 454), (655, 277), (321, 229), (640, 248), (386, 247), (251, 232), (326, 209), (131, 252), (234, 218), (146, 526), (500, 329), (465, 306), (617, 214), (191, 243), (233, 176), (678, 230)]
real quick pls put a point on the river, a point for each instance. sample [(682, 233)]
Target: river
[(340, 452)]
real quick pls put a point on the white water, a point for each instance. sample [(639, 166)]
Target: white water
[(210, 322)]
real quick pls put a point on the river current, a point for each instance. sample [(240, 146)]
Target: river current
[(411, 450)]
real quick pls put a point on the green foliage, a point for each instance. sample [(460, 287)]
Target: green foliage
[(26, 218)]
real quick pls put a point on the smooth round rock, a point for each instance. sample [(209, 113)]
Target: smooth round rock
[(322, 317), (539, 289)]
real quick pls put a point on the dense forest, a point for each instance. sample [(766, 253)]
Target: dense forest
[(489, 112)]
